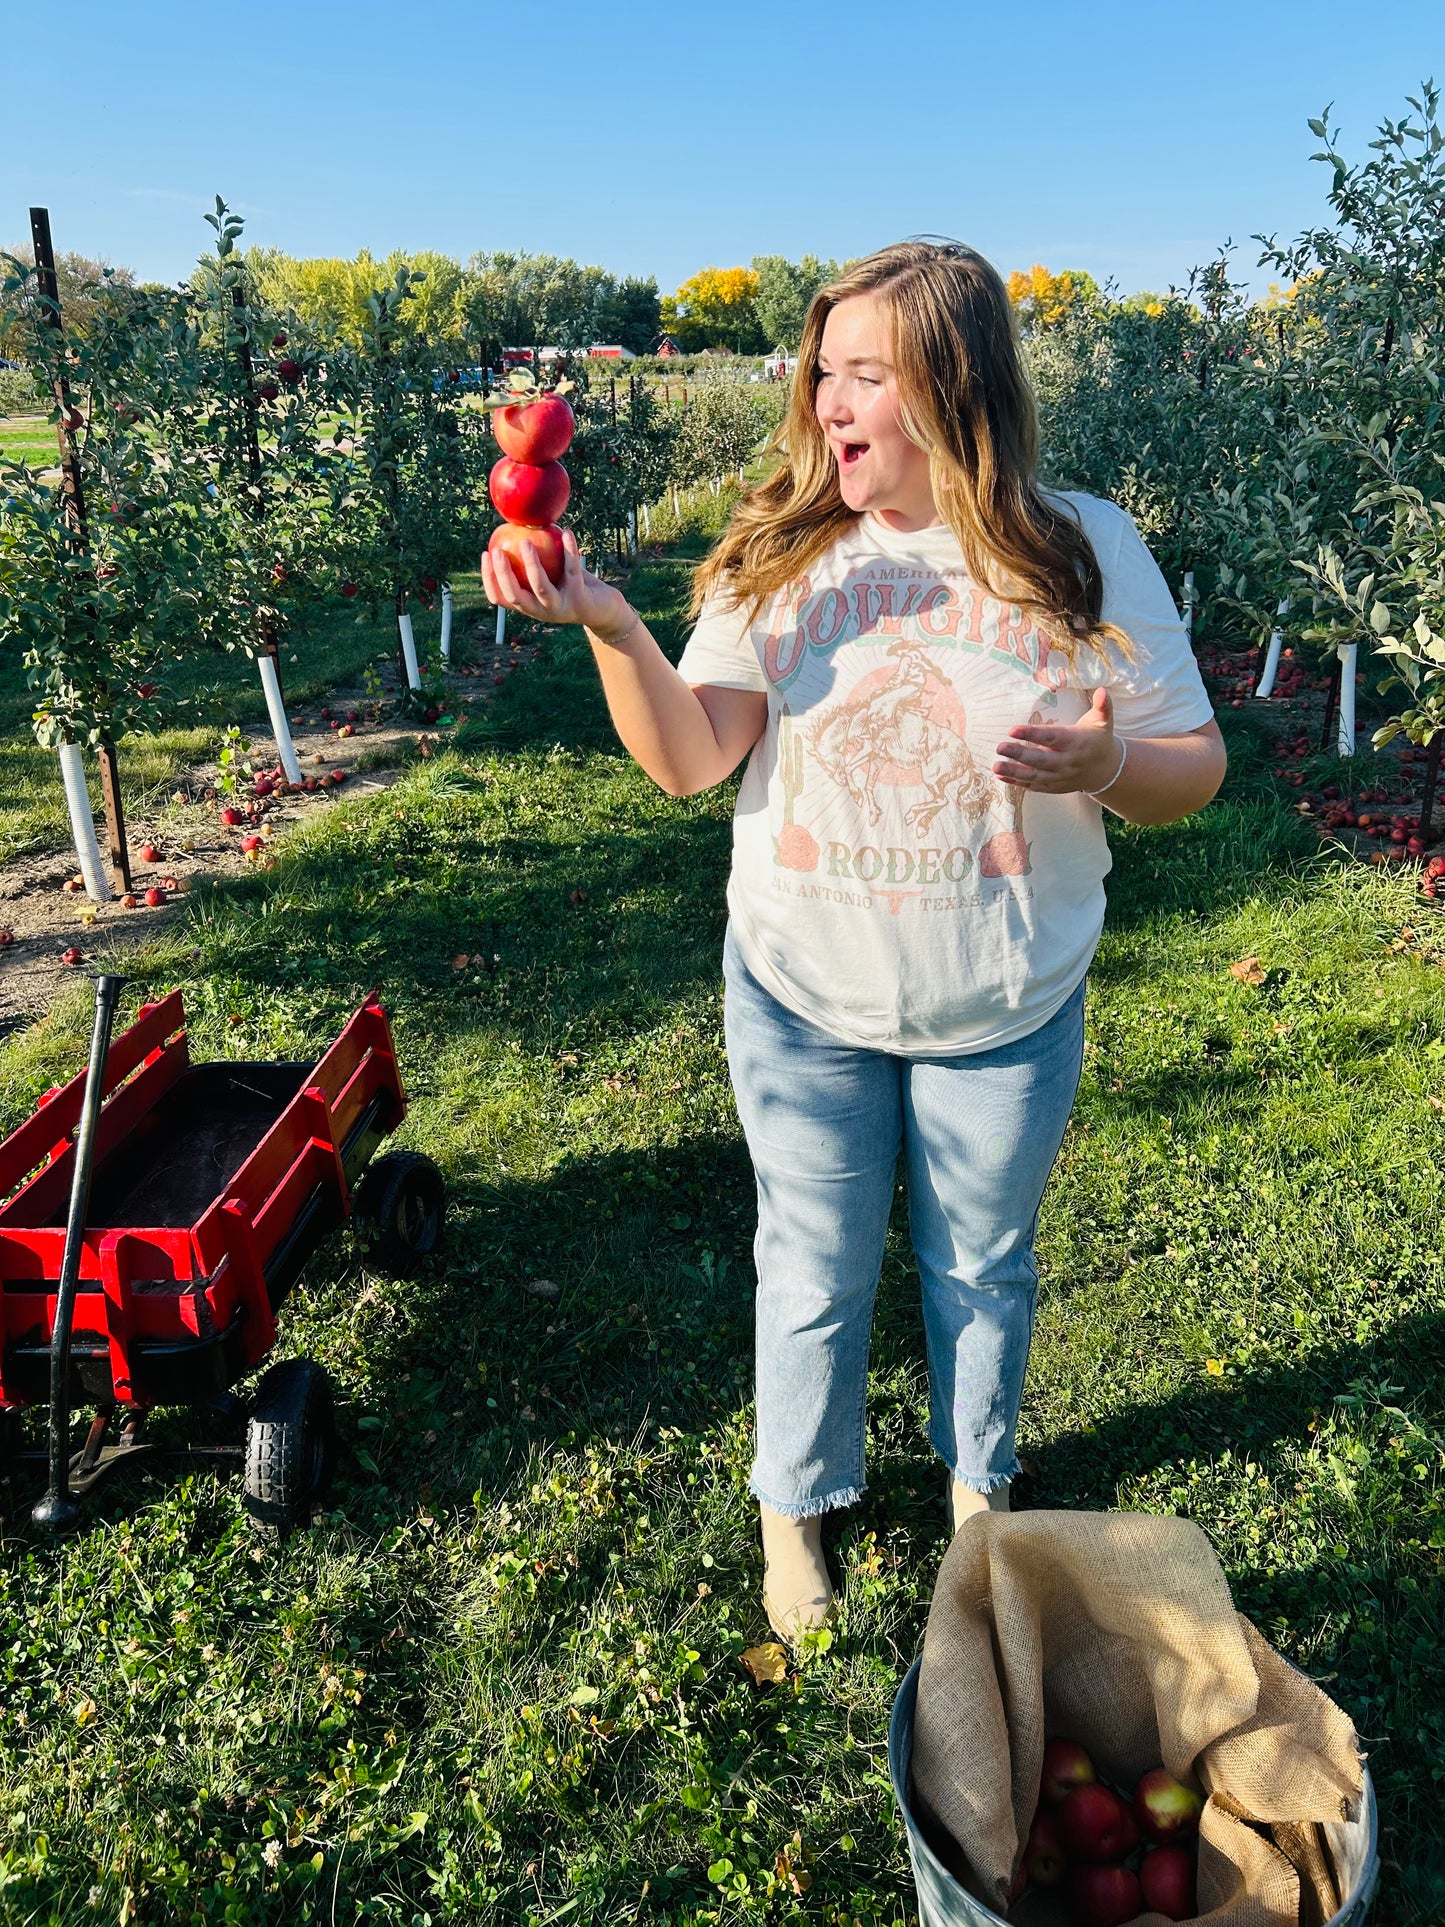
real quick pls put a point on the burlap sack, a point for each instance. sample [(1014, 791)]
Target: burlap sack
[(1117, 1629)]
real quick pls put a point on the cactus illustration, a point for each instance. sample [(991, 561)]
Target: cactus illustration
[(1007, 853), (797, 846)]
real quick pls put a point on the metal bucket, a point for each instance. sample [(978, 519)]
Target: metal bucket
[(943, 1903)]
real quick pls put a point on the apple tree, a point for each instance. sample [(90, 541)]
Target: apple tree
[(407, 505), (102, 565)]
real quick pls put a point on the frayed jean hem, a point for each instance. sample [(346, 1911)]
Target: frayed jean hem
[(990, 1482), (809, 1508)]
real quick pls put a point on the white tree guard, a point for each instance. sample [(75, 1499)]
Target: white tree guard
[(632, 531), (280, 728), (446, 642), (408, 652), (1189, 605), (1271, 659), (502, 625), (1347, 653), (646, 520), (82, 823)]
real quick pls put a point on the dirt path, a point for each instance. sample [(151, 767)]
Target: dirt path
[(52, 931)]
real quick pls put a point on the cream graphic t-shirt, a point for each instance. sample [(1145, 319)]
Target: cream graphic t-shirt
[(885, 884)]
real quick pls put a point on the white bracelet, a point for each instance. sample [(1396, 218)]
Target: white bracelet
[(1123, 742)]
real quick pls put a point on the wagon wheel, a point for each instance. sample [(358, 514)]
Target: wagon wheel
[(290, 1446), (401, 1205)]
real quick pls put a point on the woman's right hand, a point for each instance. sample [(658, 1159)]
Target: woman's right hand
[(580, 597)]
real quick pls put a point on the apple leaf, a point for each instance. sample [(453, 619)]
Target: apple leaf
[(767, 1663)]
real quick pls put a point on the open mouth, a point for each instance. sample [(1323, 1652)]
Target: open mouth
[(851, 453)]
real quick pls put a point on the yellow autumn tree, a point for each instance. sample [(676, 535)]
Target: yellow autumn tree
[(1043, 299), (715, 310)]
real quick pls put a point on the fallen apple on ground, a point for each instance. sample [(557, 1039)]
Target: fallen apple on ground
[(72, 956), (231, 817), (149, 853), (154, 898)]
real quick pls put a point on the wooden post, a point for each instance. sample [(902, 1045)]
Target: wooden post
[(74, 493), (1432, 773)]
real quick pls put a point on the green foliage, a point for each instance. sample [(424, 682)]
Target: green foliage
[(406, 501), (18, 395), (1290, 448), (101, 609), (783, 293)]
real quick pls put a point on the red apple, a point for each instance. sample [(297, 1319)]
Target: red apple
[(7, 937), (529, 492), (534, 431), (429, 582), (289, 371), (1166, 1879), (154, 898), (73, 883), (1045, 1861), (128, 902), (348, 588), (72, 956), (1105, 1896), (231, 817), (508, 537), (1066, 1765), (268, 391), (278, 340), (149, 853), (250, 845), (1165, 1808), (1097, 1825)]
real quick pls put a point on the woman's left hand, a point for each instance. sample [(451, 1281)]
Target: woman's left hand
[(1059, 758)]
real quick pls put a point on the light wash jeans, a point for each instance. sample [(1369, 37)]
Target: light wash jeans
[(824, 1123)]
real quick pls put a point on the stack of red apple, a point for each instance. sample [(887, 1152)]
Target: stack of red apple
[(1119, 1857), (529, 485)]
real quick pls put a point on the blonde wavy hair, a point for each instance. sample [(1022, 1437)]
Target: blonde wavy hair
[(964, 398)]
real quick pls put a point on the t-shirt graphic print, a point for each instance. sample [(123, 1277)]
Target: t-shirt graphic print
[(886, 885)]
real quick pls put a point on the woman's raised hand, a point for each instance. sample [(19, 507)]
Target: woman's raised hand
[(580, 597), (1058, 758)]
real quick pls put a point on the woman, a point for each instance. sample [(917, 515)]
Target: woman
[(943, 675)]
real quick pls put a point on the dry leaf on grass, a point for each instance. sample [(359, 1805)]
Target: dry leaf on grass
[(1249, 970), (767, 1663)]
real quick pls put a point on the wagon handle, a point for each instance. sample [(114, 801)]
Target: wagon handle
[(57, 1509)]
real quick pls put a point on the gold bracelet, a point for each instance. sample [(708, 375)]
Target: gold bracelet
[(616, 642)]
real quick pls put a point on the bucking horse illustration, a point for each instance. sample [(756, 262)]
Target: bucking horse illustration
[(902, 727)]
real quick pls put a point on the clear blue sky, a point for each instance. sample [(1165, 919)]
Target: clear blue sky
[(1126, 137)]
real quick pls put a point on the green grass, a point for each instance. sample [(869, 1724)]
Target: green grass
[(500, 1681), (28, 438), (333, 646)]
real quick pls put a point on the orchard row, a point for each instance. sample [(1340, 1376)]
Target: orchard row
[(224, 468), (1284, 456)]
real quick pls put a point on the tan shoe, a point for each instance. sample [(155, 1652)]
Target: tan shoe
[(964, 1502), (798, 1595)]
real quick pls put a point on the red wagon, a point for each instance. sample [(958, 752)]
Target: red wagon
[(209, 1186)]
